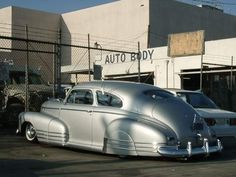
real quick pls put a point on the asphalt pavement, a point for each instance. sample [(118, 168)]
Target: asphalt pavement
[(21, 158)]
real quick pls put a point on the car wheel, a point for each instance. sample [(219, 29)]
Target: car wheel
[(30, 133)]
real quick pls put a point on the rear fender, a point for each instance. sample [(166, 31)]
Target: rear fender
[(131, 137)]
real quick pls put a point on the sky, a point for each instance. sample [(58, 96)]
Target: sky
[(229, 6), (54, 6), (63, 6)]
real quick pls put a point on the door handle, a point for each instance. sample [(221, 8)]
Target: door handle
[(90, 111)]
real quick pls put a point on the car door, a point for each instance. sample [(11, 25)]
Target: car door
[(108, 109), (77, 114)]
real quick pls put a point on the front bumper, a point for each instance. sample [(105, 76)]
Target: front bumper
[(170, 151)]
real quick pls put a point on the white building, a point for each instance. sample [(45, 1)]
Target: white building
[(219, 66), (146, 21), (170, 72)]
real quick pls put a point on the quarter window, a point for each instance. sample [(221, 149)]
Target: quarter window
[(80, 97), (107, 99)]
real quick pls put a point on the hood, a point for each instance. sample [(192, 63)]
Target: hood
[(215, 113), (20, 88), (40, 88)]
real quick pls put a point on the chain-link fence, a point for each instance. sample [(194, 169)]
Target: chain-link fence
[(34, 70), (30, 74), (219, 80)]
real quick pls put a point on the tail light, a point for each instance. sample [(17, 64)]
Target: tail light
[(197, 123), (210, 121), (232, 121)]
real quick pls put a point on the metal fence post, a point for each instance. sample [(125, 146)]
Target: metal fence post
[(27, 71), (89, 58), (54, 77), (201, 72), (139, 58), (58, 63), (231, 73)]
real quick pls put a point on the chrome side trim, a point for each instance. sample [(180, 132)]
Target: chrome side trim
[(122, 147), (52, 137)]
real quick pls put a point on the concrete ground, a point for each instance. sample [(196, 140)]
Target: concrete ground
[(21, 158)]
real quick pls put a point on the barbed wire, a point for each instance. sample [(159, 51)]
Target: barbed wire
[(67, 37)]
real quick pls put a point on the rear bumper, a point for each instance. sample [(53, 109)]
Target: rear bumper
[(170, 151)]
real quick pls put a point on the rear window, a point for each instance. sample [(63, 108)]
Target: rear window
[(197, 100), (107, 99), (158, 94)]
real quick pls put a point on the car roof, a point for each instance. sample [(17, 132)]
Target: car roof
[(119, 86), (175, 90)]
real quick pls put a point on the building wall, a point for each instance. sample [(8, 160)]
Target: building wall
[(41, 26), (5, 29), (120, 20), (5, 21), (169, 16), (130, 20), (216, 52), (167, 71)]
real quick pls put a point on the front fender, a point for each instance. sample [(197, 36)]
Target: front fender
[(132, 137), (48, 128)]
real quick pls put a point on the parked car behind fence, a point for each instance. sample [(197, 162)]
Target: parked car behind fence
[(221, 121), (13, 94)]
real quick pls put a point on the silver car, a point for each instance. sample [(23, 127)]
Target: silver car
[(121, 118), (221, 121)]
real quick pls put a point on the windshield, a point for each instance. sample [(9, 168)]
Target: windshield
[(19, 78), (197, 100)]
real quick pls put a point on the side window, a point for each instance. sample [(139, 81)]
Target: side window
[(182, 96), (108, 99), (80, 97)]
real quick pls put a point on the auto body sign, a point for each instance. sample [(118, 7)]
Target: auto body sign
[(116, 58)]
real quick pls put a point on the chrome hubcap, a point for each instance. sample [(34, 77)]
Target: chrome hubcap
[(30, 132)]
